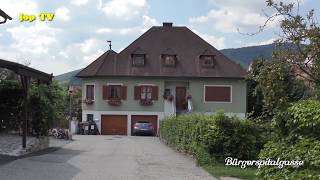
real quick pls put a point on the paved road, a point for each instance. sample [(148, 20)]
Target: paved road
[(106, 158)]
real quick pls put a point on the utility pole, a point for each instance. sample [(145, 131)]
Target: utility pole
[(70, 105)]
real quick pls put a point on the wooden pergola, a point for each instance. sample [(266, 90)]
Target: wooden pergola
[(26, 74)]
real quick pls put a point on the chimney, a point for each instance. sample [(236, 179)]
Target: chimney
[(167, 24)]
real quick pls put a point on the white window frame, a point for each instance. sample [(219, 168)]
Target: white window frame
[(210, 85), (94, 90)]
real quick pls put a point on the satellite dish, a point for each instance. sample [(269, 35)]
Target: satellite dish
[(4, 16)]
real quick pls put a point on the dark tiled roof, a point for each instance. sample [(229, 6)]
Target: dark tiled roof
[(160, 40)]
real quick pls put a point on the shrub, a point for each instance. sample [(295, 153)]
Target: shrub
[(298, 139), (211, 136), (232, 137), (307, 150), (304, 120)]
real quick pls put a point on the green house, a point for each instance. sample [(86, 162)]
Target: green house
[(167, 71)]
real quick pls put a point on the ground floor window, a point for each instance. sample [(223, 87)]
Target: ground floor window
[(89, 117)]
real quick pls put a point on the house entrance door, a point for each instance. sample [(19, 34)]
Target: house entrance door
[(181, 103)]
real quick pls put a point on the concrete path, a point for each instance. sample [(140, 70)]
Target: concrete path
[(106, 158)]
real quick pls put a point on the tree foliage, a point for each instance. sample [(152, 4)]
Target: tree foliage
[(272, 86), (298, 139), (301, 32), (47, 104), (10, 105)]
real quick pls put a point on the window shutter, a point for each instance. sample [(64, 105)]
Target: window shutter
[(105, 92), (155, 93), (124, 92), (137, 92)]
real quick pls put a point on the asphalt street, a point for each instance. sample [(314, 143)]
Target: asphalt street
[(104, 157)]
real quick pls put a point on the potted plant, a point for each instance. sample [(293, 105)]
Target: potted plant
[(146, 102), (188, 97), (88, 101), (168, 97)]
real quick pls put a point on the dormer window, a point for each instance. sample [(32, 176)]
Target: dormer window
[(138, 59), (169, 60), (207, 61)]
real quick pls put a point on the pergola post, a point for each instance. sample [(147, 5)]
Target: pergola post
[(25, 81)]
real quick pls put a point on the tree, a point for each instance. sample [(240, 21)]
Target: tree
[(254, 94), (47, 105), (299, 42)]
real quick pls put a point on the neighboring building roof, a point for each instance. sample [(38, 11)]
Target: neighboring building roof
[(159, 40)]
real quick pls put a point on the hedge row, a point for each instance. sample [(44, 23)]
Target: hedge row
[(216, 135)]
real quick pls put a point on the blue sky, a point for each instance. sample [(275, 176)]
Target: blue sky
[(80, 30)]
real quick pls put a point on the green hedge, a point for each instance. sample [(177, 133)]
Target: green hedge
[(301, 141), (216, 135)]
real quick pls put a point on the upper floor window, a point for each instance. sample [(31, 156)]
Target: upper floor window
[(169, 60), (207, 61), (138, 59), (115, 92), (146, 92), (90, 92)]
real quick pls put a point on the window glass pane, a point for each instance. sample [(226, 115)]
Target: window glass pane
[(138, 59), (115, 92), (89, 117), (90, 92), (118, 92), (143, 95), (169, 60), (149, 95)]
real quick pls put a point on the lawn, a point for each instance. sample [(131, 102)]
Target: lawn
[(219, 170)]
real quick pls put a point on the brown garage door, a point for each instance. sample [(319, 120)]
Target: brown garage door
[(152, 119), (114, 124)]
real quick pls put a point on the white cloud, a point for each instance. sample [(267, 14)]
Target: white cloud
[(79, 2), (269, 41), (34, 39), (104, 31), (63, 13), (147, 22), (217, 42), (123, 8), (87, 59), (89, 45), (230, 15)]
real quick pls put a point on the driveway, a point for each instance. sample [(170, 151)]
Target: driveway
[(106, 158)]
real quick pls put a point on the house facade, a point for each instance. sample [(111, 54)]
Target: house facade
[(165, 72)]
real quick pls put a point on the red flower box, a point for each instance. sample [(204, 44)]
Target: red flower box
[(144, 102), (88, 101)]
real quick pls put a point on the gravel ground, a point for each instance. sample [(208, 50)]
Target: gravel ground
[(106, 157)]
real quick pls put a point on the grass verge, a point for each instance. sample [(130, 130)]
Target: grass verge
[(218, 170)]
